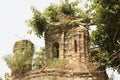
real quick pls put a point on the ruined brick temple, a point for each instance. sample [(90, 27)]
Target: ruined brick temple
[(71, 44)]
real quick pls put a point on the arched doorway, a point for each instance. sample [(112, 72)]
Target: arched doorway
[(56, 50)]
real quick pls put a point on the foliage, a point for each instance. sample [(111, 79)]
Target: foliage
[(101, 57), (39, 61), (51, 12), (56, 63), (21, 60), (65, 7), (21, 64), (107, 18), (69, 8), (37, 23), (16, 65), (39, 58), (1, 78), (8, 59), (6, 75), (40, 22)]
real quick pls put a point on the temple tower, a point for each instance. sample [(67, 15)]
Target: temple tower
[(71, 44)]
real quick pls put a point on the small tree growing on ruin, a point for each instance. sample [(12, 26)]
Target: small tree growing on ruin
[(20, 61)]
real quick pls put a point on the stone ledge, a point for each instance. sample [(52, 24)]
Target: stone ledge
[(54, 74)]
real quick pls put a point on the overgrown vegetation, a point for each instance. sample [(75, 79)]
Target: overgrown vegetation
[(57, 63), (39, 59), (106, 16), (61, 14), (6, 76), (105, 41), (18, 66), (103, 13), (0, 78), (20, 61)]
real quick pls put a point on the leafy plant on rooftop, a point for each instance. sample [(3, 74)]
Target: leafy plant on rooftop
[(40, 22)]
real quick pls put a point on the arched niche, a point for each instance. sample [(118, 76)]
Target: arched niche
[(75, 45), (55, 50)]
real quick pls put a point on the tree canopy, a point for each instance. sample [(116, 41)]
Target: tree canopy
[(107, 18)]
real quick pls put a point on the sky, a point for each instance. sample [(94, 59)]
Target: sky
[(13, 14)]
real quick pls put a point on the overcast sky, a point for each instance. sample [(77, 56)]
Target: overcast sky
[(13, 14)]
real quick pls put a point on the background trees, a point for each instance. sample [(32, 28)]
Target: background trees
[(107, 36), (39, 59)]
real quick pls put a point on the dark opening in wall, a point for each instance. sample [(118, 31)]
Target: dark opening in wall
[(75, 45), (56, 50)]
